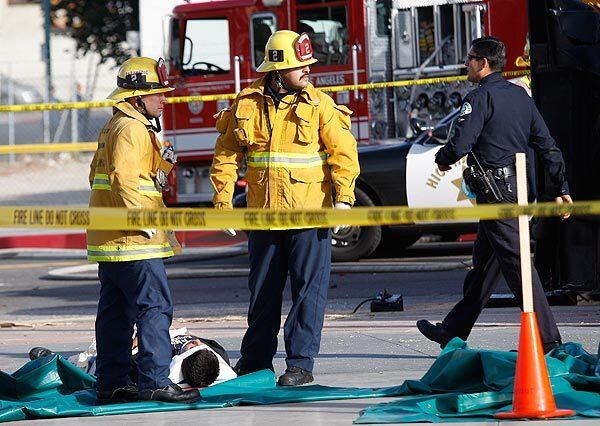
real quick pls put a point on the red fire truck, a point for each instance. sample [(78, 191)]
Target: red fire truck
[(214, 47)]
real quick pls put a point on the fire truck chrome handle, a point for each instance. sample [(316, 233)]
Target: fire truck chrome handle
[(236, 73), (355, 50)]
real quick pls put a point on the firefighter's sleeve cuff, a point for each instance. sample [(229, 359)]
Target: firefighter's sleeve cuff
[(223, 205), (564, 190), (341, 198)]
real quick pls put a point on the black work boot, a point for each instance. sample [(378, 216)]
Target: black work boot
[(127, 393), (436, 333), (550, 346), (295, 376), (170, 393), (39, 352), (241, 369)]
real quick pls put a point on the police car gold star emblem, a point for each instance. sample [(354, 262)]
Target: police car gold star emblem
[(458, 183)]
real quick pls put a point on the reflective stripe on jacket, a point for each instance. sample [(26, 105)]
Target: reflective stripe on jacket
[(296, 159), (122, 174)]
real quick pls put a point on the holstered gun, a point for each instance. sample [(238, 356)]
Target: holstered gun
[(482, 182)]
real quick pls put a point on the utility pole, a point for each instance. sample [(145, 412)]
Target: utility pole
[(46, 46), (46, 57)]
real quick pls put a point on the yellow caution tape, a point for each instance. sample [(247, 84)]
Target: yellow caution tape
[(406, 83), (256, 219), (46, 147), (206, 98), (56, 106)]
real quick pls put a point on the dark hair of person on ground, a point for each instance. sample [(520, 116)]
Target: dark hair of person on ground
[(492, 49), (200, 369)]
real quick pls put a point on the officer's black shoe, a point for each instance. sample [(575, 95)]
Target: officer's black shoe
[(170, 393), (39, 352), (295, 376), (435, 333), (548, 346), (127, 393), (241, 370)]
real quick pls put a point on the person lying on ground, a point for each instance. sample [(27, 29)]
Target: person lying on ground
[(195, 361)]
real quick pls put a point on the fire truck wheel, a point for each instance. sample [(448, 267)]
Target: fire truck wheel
[(356, 242)]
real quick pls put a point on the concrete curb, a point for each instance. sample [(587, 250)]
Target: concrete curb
[(89, 272)]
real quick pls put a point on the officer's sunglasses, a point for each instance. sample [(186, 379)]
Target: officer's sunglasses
[(471, 57)]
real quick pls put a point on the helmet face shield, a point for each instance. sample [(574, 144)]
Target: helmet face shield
[(303, 48)]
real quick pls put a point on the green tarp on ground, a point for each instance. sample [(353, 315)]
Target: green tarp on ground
[(466, 384), (53, 387), (463, 384)]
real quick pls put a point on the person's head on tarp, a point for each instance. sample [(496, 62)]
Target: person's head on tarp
[(201, 368)]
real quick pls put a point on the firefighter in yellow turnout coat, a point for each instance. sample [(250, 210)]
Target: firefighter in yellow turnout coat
[(299, 153), (128, 171)]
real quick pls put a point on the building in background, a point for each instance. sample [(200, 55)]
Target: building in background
[(22, 35)]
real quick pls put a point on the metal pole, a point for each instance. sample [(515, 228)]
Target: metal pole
[(47, 59), (524, 240), (236, 73), (74, 112), (11, 115), (355, 49)]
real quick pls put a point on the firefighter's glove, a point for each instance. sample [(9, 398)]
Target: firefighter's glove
[(341, 206), (149, 232), (230, 231)]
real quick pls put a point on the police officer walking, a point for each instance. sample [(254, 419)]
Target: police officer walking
[(299, 150), (127, 171), (497, 120)]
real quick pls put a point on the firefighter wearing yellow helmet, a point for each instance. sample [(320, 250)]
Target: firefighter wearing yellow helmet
[(524, 61), (127, 171), (300, 154)]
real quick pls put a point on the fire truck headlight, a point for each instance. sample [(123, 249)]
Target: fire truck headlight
[(188, 173), (379, 130), (454, 100), (377, 101)]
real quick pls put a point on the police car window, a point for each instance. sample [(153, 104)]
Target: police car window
[(206, 47), (262, 28), (327, 28)]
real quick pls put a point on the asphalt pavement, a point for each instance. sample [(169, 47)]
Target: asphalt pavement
[(363, 349)]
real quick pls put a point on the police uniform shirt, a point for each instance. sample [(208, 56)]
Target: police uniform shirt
[(497, 120)]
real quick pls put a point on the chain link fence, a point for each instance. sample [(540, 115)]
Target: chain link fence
[(46, 179)]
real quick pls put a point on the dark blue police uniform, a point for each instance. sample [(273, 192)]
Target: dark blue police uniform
[(497, 120)]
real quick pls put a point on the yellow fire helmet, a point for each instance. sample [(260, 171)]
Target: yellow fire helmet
[(287, 49), (523, 61), (139, 77)]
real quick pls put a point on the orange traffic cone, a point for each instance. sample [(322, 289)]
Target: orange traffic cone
[(532, 394)]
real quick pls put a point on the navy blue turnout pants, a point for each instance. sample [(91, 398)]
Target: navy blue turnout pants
[(306, 255), (135, 292)]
